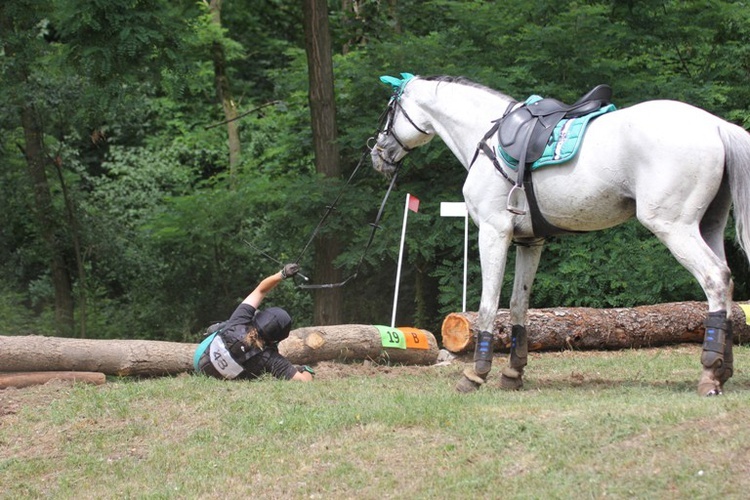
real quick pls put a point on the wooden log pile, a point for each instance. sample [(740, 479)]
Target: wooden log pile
[(26, 354), (588, 328)]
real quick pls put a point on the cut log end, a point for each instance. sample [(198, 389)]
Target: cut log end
[(456, 331)]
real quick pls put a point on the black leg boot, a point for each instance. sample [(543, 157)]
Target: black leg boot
[(718, 331), (512, 375), (728, 367), (474, 377)]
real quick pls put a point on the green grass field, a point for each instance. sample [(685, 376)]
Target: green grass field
[(587, 425)]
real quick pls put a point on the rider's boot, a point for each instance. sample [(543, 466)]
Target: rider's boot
[(474, 377), (512, 375), (717, 343)]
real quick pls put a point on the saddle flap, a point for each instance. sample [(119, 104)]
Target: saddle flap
[(523, 135), (514, 125)]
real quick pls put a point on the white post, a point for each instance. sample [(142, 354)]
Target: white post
[(466, 257), (458, 209), (400, 258)]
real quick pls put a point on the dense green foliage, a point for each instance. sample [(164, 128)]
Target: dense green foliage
[(152, 230)]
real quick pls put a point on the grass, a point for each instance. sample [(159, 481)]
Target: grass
[(587, 425)]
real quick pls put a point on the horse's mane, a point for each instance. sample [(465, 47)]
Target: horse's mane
[(465, 81)]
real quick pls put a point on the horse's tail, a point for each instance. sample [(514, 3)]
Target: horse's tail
[(737, 163)]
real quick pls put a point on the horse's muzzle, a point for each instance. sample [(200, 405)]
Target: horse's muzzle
[(380, 162)]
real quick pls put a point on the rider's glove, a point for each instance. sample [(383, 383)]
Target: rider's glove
[(289, 270)]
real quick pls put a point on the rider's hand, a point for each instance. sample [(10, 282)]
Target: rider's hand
[(289, 270)]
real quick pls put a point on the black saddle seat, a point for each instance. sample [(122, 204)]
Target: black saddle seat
[(525, 131)]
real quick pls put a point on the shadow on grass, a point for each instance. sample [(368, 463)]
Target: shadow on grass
[(602, 383)]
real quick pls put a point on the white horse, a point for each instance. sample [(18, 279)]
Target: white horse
[(677, 168)]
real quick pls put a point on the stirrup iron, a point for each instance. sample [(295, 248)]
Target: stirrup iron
[(517, 200)]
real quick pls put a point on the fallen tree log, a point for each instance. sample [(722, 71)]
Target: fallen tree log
[(26, 379), (111, 357), (154, 358), (588, 328), (360, 342)]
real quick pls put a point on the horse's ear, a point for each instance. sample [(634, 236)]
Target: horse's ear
[(391, 80), (406, 77)]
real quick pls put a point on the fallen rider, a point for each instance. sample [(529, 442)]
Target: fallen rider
[(246, 345)]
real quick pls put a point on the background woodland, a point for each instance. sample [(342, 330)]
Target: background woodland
[(143, 142)]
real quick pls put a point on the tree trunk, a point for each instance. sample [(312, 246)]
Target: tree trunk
[(154, 358), (327, 302), (75, 237), (36, 160), (26, 379), (224, 94), (588, 328)]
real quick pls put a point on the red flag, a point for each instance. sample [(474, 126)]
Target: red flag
[(413, 203)]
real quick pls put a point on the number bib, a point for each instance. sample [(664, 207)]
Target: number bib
[(222, 360)]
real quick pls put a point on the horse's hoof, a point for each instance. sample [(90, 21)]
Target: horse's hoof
[(466, 386), (708, 385), (511, 379), (511, 384), (470, 381)]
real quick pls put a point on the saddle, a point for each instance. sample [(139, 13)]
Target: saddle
[(525, 130)]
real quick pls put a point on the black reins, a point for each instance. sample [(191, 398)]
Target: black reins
[(385, 126), (386, 118), (375, 226)]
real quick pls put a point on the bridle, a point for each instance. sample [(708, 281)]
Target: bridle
[(385, 128)]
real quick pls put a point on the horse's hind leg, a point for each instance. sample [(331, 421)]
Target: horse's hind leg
[(708, 266), (712, 228), (527, 262)]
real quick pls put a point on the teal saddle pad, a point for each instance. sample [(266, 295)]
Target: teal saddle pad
[(564, 141)]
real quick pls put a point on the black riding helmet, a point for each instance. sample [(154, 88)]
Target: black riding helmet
[(273, 324)]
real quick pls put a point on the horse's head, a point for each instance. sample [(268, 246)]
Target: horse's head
[(402, 127)]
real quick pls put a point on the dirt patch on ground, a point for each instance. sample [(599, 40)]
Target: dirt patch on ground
[(328, 370), (12, 400)]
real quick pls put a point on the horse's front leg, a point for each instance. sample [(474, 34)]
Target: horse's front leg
[(527, 262), (494, 241)]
